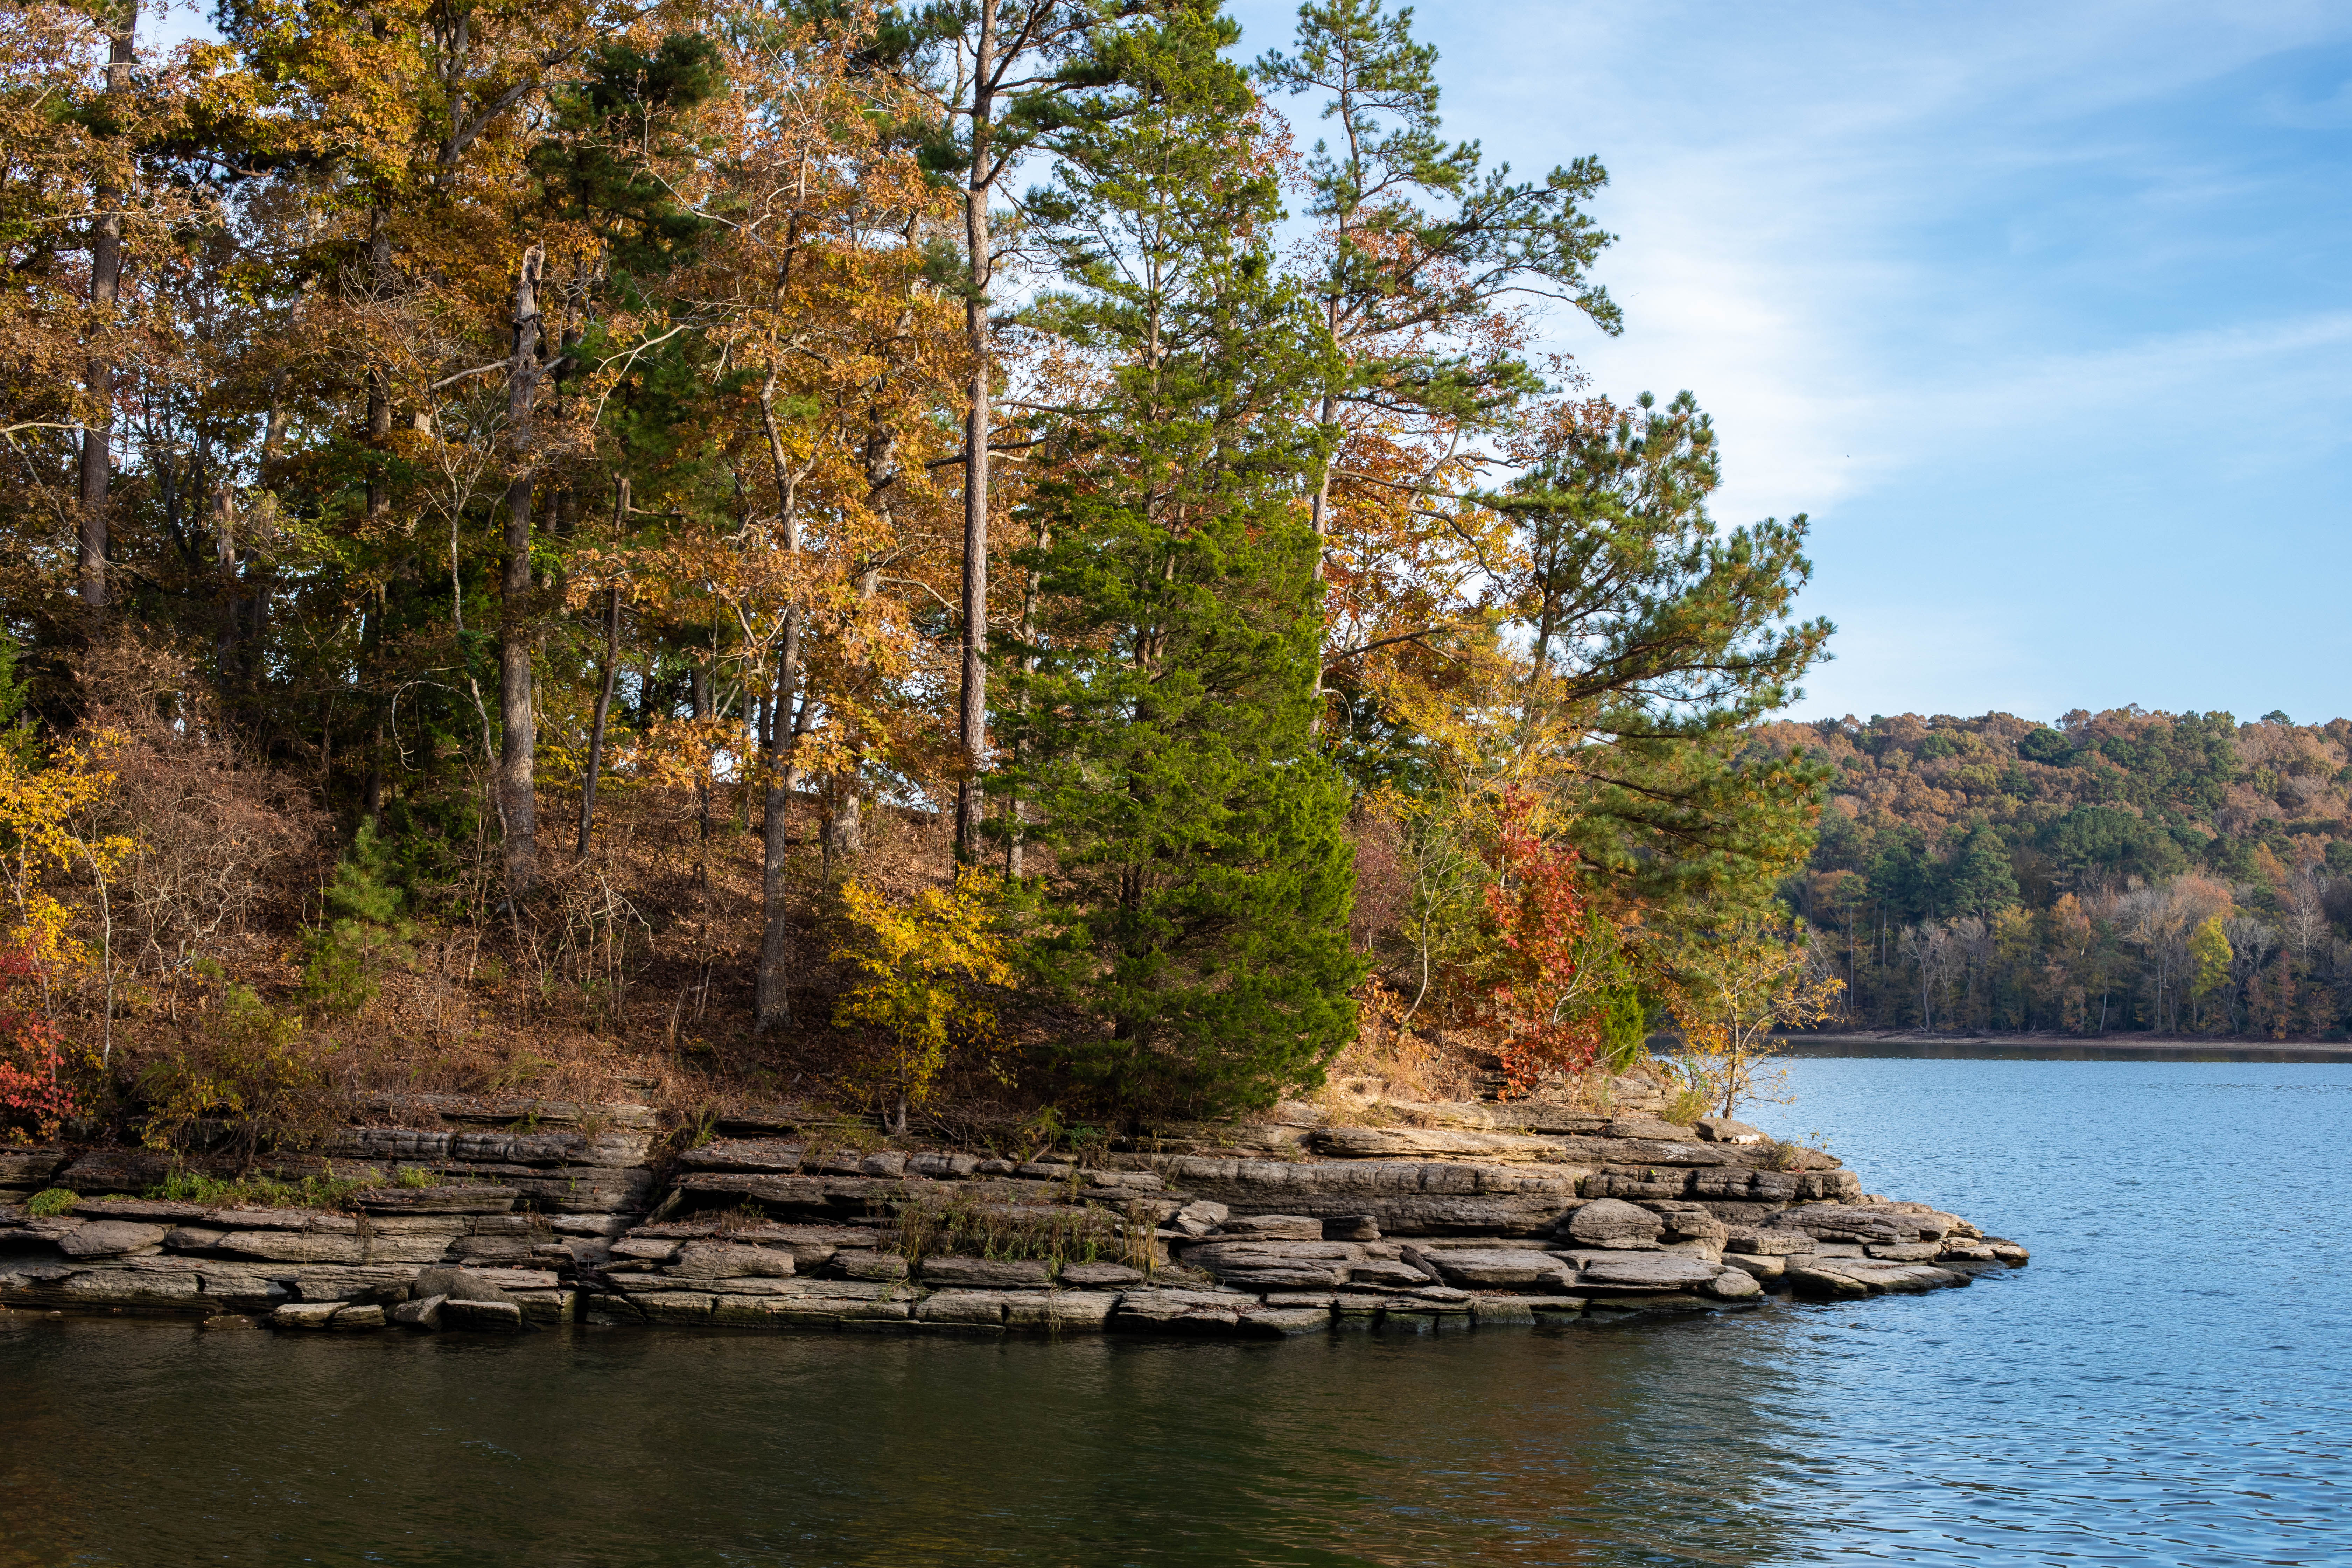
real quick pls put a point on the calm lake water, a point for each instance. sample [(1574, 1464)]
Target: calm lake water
[(2169, 1383)]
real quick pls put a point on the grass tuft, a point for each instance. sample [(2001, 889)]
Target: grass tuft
[(186, 1187)]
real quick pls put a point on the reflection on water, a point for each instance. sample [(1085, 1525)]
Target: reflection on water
[(662, 1449), (2168, 1384), (147, 1444)]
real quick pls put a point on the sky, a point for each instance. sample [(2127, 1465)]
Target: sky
[(2042, 314)]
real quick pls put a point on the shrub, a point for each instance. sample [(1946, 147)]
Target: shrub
[(924, 971), (1688, 1105), (52, 1201), (251, 1073), (35, 1094)]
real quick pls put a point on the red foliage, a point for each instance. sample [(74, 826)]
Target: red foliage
[(1542, 918), (33, 1094)]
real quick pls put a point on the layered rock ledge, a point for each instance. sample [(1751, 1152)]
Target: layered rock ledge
[(1480, 1216)]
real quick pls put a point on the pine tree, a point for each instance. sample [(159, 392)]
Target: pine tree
[(1981, 881), (366, 929), (1162, 717)]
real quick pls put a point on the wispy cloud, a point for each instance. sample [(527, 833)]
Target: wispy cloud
[(2039, 311)]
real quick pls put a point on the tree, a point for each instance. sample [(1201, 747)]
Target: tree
[(1201, 881), (2209, 957), (1735, 984), (1658, 640), (1981, 881), (365, 928), (1006, 78), (1413, 295)]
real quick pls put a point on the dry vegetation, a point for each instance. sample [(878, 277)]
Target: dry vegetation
[(629, 976)]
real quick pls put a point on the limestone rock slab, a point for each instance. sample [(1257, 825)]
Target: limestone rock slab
[(1063, 1312), (305, 1314), (1501, 1267), (108, 1238), (726, 1260), (969, 1309), (1613, 1221), (497, 1317), (1099, 1276), (1644, 1272), (1271, 1228), (987, 1272), (424, 1314), (1733, 1285)]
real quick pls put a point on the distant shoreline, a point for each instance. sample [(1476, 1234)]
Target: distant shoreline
[(2061, 1047)]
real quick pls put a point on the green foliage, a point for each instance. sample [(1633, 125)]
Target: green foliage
[(249, 1079), (50, 1202), (1624, 1016), (2046, 746), (366, 932), (1422, 244), (1658, 640), (18, 737), (1689, 1102), (617, 128), (182, 1185), (2093, 838), (1161, 720), (1981, 881)]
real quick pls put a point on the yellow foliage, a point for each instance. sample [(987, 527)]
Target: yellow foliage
[(2209, 951), (920, 966), (40, 806), (1733, 986)]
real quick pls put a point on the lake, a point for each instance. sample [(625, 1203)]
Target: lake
[(2170, 1381)]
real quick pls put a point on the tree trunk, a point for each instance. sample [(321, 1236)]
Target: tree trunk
[(772, 991), (96, 473), (518, 743), (1012, 812), (771, 1005), (971, 709), (844, 823), (379, 377), (604, 710)]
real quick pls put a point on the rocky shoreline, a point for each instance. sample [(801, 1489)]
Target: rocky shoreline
[(505, 1215)]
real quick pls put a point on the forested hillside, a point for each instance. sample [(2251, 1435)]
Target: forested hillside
[(1007, 554), (2180, 872)]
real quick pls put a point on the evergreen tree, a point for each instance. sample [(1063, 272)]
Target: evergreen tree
[(1658, 639), (1163, 707), (366, 928), (1420, 247), (1981, 881)]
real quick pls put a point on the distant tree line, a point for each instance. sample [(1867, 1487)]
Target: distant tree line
[(2122, 870)]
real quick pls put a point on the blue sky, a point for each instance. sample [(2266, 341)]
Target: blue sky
[(2039, 311)]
